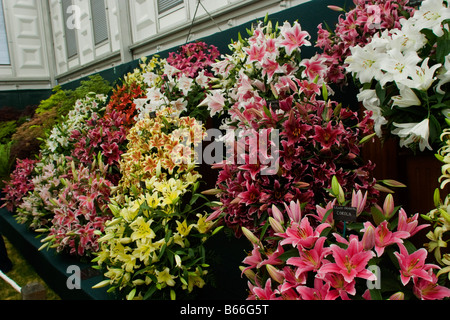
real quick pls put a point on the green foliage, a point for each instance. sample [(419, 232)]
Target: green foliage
[(27, 136), (7, 129), (5, 161), (64, 100)]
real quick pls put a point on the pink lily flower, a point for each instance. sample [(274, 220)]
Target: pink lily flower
[(291, 281), (253, 259), (265, 293), (350, 262), (321, 212), (413, 265), (294, 211), (272, 257), (359, 201), (338, 282), (409, 224), (269, 68), (430, 290), (384, 237), (302, 235), (256, 53), (310, 260), (294, 37), (321, 291)]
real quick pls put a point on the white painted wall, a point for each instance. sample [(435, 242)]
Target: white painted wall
[(36, 34), (24, 21)]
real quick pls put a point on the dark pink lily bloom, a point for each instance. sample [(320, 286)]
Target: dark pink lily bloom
[(409, 224), (350, 263), (413, 265), (321, 291), (430, 290)]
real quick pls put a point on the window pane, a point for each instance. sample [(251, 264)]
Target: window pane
[(164, 5), (99, 21), (4, 52), (69, 14)]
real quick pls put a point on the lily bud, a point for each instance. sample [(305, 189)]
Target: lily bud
[(359, 201), (301, 185), (397, 296), (248, 273), (335, 8), (178, 261), (368, 240), (437, 198), (250, 236), (277, 215), (276, 226), (388, 206), (235, 201), (102, 284), (211, 192), (275, 274)]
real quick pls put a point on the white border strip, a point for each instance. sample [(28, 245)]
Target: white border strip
[(11, 282)]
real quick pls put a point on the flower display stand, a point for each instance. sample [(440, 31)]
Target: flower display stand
[(53, 268)]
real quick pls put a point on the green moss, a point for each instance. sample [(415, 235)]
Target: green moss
[(22, 273)]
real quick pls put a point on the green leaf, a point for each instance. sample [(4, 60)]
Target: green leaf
[(288, 254), (326, 215), (375, 294), (443, 46), (267, 112), (150, 292), (377, 215), (217, 230)]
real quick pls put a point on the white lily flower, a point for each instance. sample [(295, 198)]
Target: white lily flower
[(444, 76), (423, 77), (413, 132), (371, 102), (407, 98), (364, 63), (398, 65), (430, 16)]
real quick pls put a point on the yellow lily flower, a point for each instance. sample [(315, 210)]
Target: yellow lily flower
[(164, 277), (203, 226), (183, 228), (142, 229)]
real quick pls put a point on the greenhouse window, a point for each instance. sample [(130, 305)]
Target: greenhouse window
[(164, 5), (99, 21), (4, 50)]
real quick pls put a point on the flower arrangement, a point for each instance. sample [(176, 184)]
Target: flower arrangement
[(266, 88), (19, 184), (311, 260), (159, 145), (356, 28), (194, 58), (154, 246), (403, 77), (80, 210), (132, 87), (101, 135), (181, 89), (36, 209), (58, 141)]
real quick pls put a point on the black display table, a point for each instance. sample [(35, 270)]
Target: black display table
[(51, 266)]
